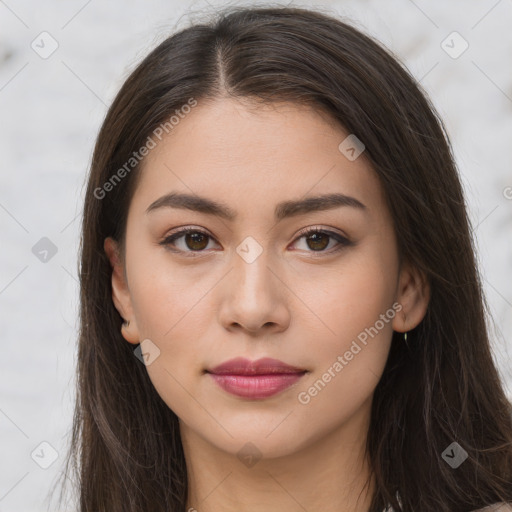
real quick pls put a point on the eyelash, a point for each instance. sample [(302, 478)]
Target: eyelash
[(342, 241)]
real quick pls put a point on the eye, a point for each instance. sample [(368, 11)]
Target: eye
[(194, 240), (317, 240)]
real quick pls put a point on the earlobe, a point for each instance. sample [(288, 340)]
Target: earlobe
[(120, 292), (130, 332), (414, 295)]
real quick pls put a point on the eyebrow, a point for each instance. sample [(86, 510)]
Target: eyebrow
[(283, 210)]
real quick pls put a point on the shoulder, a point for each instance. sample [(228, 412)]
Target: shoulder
[(497, 507)]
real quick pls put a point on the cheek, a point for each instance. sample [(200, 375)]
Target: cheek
[(170, 309), (167, 297), (347, 370), (358, 308), (352, 296), (171, 312)]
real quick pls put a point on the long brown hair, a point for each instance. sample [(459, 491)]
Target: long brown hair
[(442, 387)]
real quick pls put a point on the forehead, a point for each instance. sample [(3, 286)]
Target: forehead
[(255, 155)]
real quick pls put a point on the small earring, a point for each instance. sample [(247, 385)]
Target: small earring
[(406, 342)]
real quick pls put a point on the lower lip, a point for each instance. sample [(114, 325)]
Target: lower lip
[(256, 386)]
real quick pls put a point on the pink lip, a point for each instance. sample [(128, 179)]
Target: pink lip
[(258, 379)]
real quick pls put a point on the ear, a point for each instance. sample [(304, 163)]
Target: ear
[(120, 292), (413, 294)]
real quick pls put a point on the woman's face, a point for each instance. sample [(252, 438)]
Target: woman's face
[(248, 282)]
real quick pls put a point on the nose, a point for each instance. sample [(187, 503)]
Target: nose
[(253, 298)]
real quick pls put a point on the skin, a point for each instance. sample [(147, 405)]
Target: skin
[(294, 302)]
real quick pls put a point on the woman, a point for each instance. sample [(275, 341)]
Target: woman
[(280, 304)]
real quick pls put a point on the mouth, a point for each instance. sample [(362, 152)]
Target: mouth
[(255, 379)]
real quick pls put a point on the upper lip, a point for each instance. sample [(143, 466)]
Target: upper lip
[(263, 366)]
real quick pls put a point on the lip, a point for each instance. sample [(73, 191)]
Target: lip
[(255, 379)]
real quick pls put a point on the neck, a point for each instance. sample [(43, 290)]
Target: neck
[(329, 474)]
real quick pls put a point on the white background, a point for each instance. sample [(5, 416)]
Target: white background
[(51, 110)]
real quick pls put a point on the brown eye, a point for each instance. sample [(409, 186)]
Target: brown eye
[(318, 240), (194, 240)]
